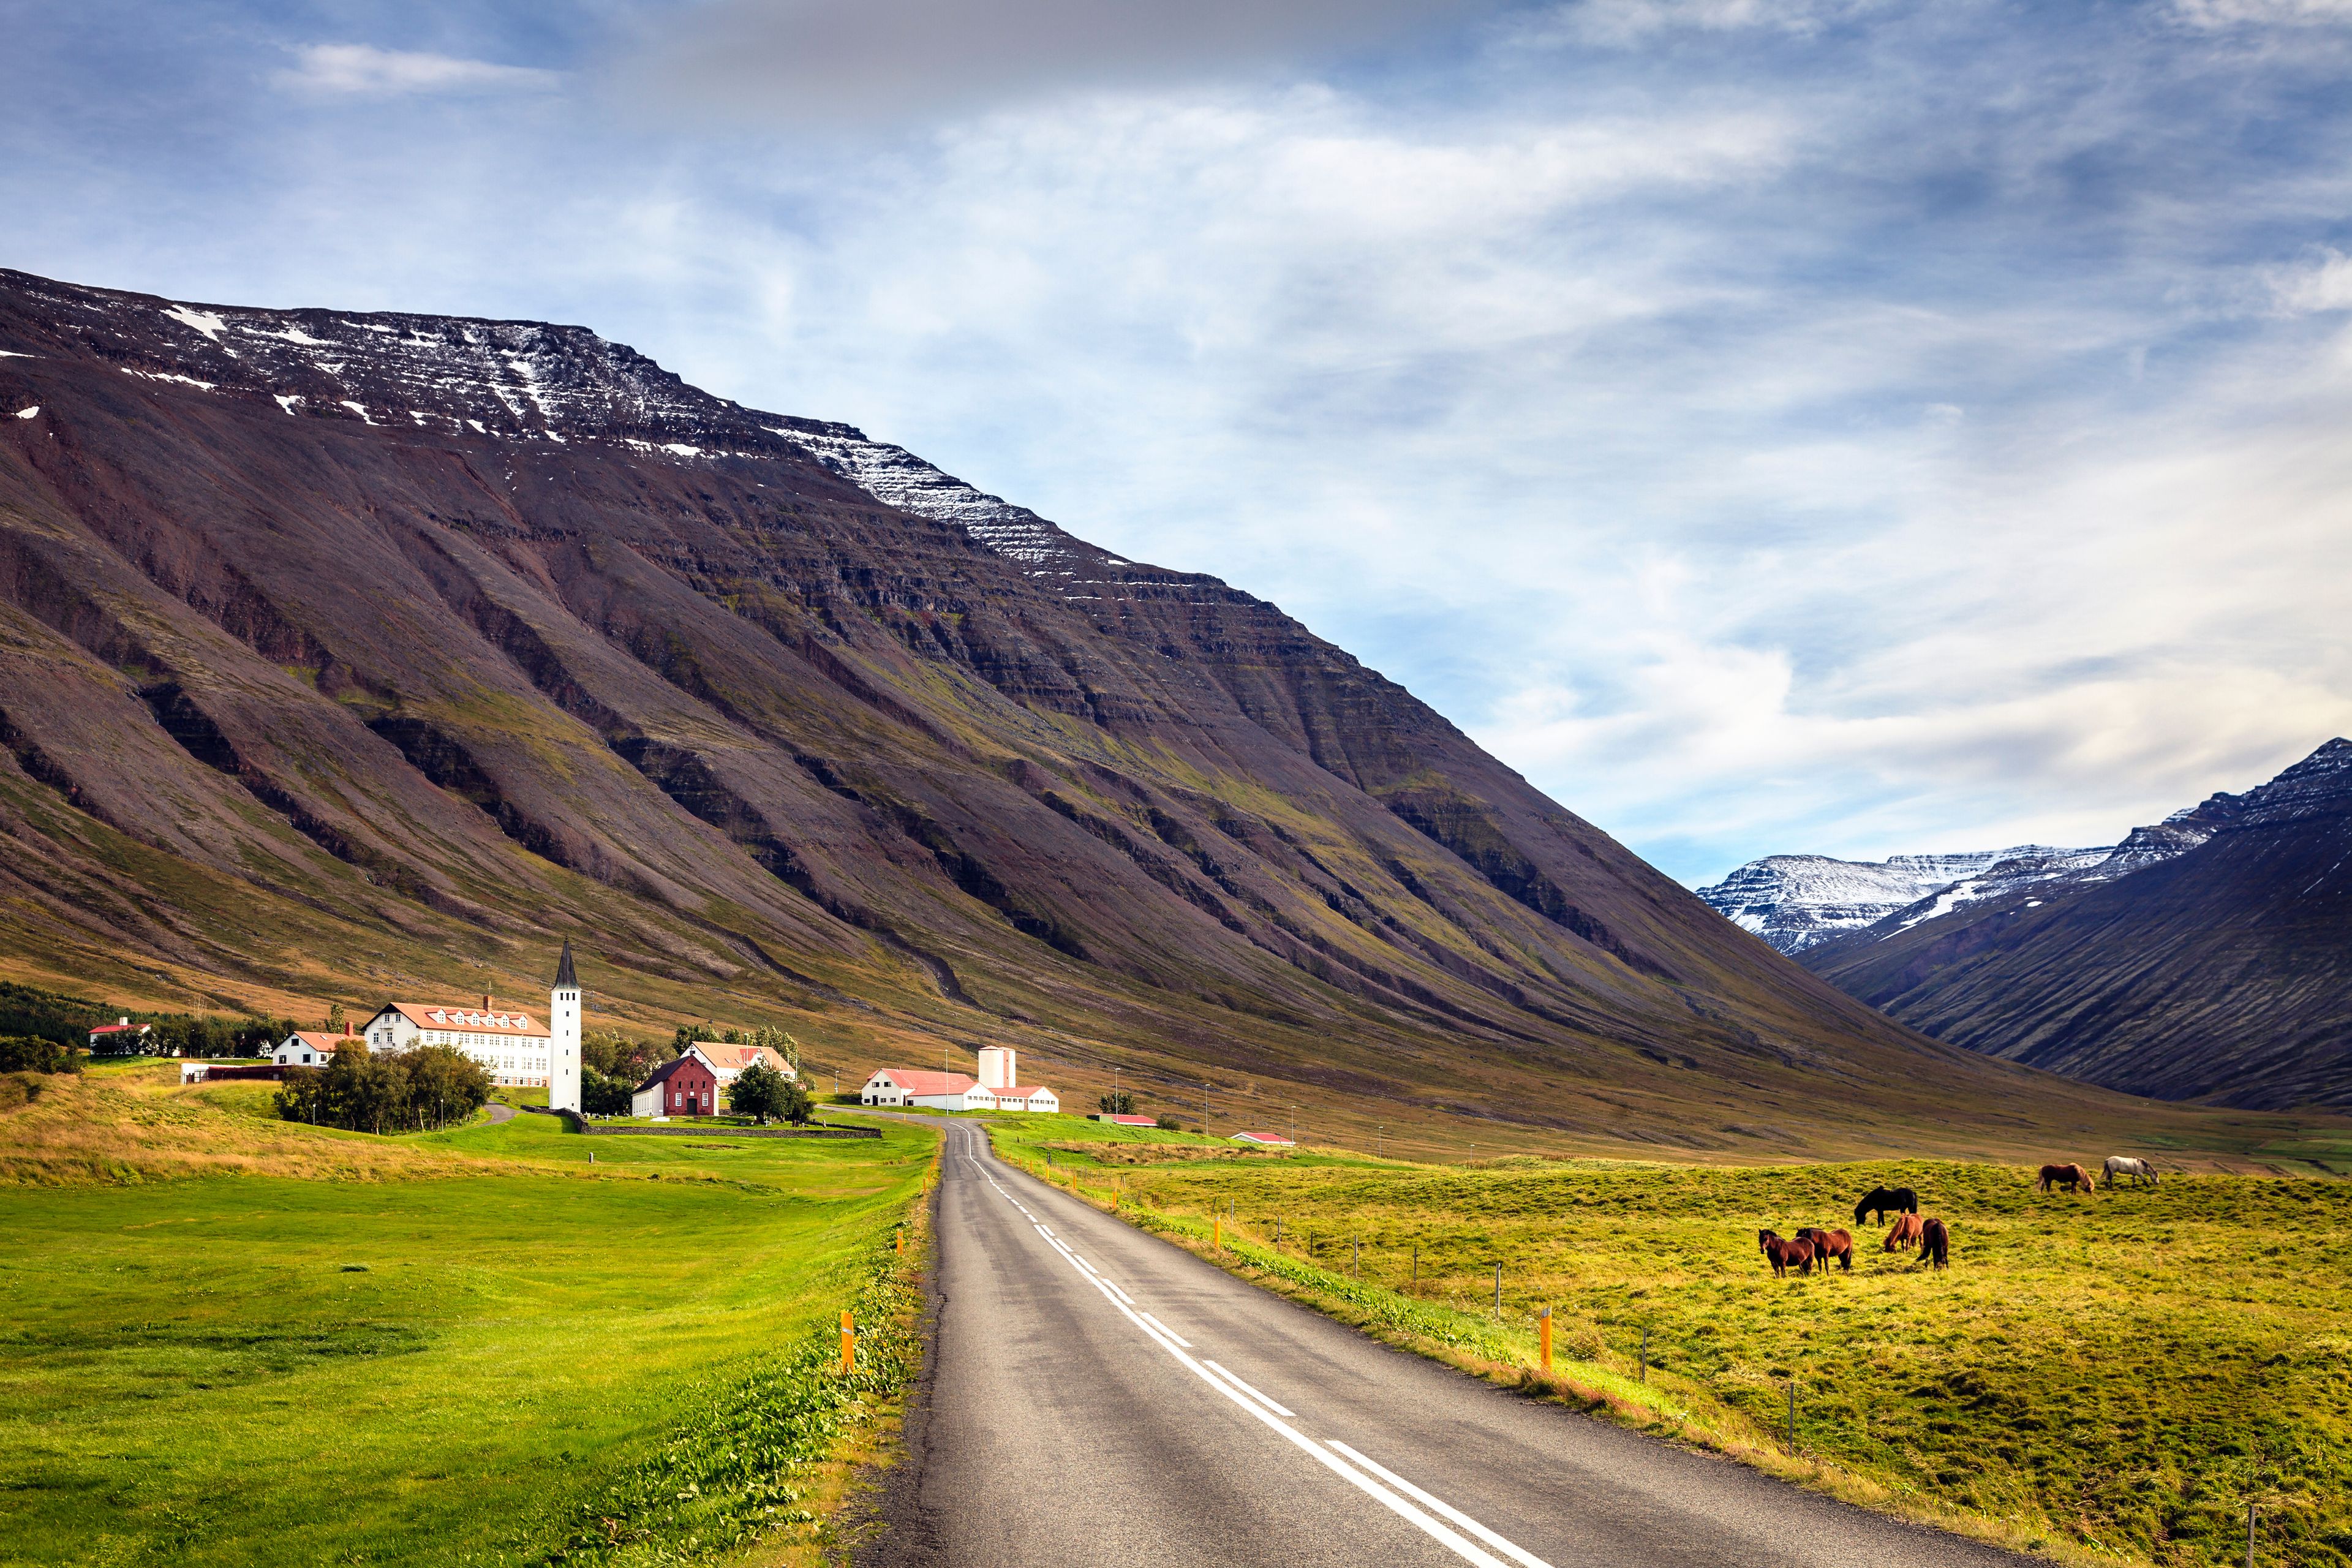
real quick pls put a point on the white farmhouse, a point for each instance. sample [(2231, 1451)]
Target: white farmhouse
[(305, 1049), (926, 1091), (1017, 1098)]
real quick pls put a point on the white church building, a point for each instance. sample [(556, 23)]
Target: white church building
[(517, 1049)]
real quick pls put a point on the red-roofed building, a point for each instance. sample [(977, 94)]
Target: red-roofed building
[(305, 1049), (1126, 1120), (683, 1086), (121, 1038), (1267, 1139), (926, 1091), (728, 1061), (1026, 1098), (511, 1044)]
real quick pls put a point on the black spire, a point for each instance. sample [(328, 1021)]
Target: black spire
[(564, 979)]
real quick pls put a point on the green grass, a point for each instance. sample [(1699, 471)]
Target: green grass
[(2109, 1377), (479, 1367)]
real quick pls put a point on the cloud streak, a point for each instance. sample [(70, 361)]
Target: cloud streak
[(363, 71)]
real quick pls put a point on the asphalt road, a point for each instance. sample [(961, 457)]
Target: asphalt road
[(1098, 1396)]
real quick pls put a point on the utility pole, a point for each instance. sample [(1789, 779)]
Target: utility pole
[(1380, 1143)]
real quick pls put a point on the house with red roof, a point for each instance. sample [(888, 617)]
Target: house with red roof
[(926, 1091), (309, 1048), (682, 1085), (1265, 1140), (728, 1061), (513, 1046), (1026, 1098), (1117, 1121), (121, 1038)]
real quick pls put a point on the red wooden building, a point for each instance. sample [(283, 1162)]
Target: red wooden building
[(683, 1086)]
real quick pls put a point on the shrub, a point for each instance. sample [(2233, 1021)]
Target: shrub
[(1167, 1123), (1120, 1104), (30, 1053)]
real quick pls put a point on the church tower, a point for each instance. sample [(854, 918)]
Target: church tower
[(563, 1036)]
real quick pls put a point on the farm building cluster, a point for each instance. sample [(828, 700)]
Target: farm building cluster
[(994, 1089)]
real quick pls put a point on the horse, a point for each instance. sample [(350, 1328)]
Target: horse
[(1904, 1234), (1784, 1255), (2124, 1165), (1935, 1244), (2075, 1176), (1883, 1200), (1828, 1243)]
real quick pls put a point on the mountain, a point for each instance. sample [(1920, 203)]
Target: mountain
[(343, 652), (1799, 902), (2208, 956)]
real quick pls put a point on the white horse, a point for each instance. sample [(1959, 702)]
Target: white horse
[(2124, 1165)]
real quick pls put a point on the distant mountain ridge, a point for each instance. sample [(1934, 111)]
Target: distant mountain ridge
[(2209, 955)]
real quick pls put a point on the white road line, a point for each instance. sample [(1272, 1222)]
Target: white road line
[(1461, 1546), (1524, 1556), (1279, 1410), (1169, 1331)]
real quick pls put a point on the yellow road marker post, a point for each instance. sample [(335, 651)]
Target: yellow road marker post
[(1543, 1331), (848, 1342)]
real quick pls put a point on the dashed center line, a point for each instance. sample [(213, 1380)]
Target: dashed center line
[(1430, 1515)]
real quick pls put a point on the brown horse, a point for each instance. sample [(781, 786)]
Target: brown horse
[(1904, 1234), (1935, 1243), (1828, 1243), (2074, 1177), (1784, 1256)]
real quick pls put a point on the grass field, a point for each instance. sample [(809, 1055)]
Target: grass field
[(462, 1347), (2108, 1377)]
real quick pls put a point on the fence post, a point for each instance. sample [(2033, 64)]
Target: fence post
[(2249, 1532), (1358, 1242), (848, 1342), (1543, 1330), (1646, 1353), (1498, 1290), (1416, 1269)]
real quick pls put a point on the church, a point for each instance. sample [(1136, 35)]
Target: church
[(518, 1050)]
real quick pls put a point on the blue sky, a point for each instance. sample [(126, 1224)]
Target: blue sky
[(1838, 427)]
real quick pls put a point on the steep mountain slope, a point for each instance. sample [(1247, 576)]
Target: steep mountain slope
[(338, 651), (2210, 955)]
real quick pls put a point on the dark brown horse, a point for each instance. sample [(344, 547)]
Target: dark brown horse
[(1935, 1243), (1906, 1232), (1883, 1200), (2074, 1177), (1828, 1243), (1784, 1256)]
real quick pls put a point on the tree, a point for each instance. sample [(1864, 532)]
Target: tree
[(1167, 1123), (760, 1091), (601, 1094), (799, 1105), (26, 1053), (335, 1024), (1120, 1104), (621, 1056)]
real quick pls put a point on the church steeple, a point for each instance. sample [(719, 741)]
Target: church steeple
[(564, 979), (563, 1036)]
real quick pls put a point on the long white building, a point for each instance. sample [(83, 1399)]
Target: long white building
[(517, 1049)]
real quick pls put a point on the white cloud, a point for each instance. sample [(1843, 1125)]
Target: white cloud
[(2322, 285), (364, 71)]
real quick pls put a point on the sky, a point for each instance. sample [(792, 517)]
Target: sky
[(1836, 427)]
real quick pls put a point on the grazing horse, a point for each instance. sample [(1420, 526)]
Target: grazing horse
[(1828, 1243), (2073, 1176), (1906, 1232), (1785, 1255), (1883, 1200), (1935, 1244), (2124, 1165)]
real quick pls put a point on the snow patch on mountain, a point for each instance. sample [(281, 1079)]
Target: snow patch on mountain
[(1795, 901)]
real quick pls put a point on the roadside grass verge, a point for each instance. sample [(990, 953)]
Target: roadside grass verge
[(489, 1351), (2102, 1379)]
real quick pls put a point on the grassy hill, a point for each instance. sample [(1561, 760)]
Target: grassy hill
[(471, 1347), (2105, 1378)]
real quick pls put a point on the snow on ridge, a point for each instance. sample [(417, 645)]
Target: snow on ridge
[(896, 478), (1797, 901)]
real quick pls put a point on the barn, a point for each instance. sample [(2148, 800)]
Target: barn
[(683, 1086), (926, 1091)]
